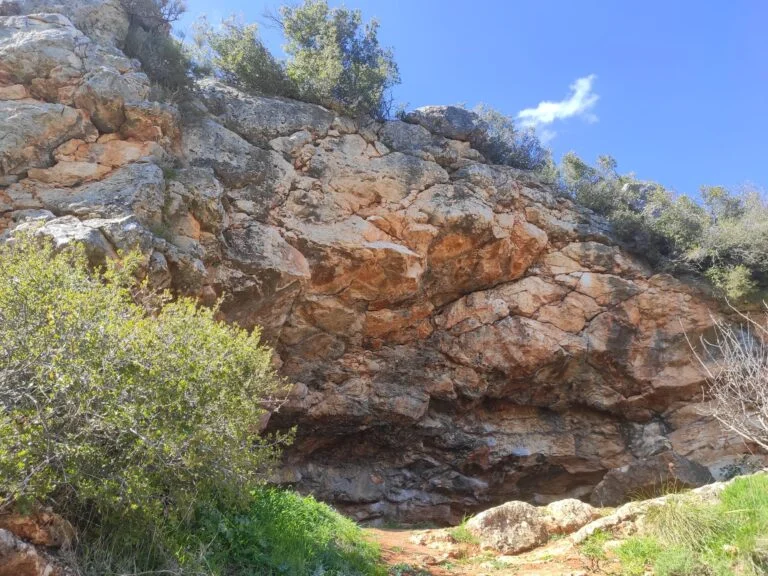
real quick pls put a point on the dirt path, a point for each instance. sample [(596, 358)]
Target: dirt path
[(436, 553)]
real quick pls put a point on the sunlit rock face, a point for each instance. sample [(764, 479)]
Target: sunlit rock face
[(457, 334)]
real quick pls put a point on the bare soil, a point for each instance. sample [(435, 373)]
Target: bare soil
[(436, 553)]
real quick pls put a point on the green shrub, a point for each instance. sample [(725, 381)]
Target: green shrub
[(155, 15), (735, 282), (726, 239), (503, 143), (236, 51), (162, 57), (121, 419), (282, 532), (336, 59)]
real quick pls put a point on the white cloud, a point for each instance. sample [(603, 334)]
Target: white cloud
[(546, 135), (580, 102)]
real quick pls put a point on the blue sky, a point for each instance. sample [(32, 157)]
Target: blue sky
[(675, 90)]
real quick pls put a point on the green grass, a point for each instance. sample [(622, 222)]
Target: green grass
[(594, 546), (685, 537), (462, 535), (284, 534)]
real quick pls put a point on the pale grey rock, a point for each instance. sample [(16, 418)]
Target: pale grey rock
[(259, 119), (104, 21), (202, 195), (361, 177), (67, 230), (47, 56), (418, 141), (32, 215), (449, 121), (103, 94), (511, 528), (568, 515), (124, 233), (35, 46), (31, 131), (137, 189), (236, 162)]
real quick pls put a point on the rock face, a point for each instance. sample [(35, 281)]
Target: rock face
[(35, 544), (457, 334)]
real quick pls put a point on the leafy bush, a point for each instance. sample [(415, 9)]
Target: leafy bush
[(237, 53), (504, 144), (123, 420), (154, 15), (162, 57), (336, 59), (282, 532)]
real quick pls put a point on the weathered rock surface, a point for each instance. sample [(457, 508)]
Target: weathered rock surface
[(516, 527), (666, 470), (32, 544), (457, 334)]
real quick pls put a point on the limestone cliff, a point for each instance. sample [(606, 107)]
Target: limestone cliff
[(457, 334)]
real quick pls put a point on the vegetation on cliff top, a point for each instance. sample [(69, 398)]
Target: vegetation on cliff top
[(334, 59)]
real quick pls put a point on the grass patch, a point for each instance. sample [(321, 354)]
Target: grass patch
[(462, 535), (685, 537), (594, 546), (283, 533)]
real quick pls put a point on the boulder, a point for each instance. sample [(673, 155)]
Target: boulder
[(511, 528), (664, 472), (449, 121), (567, 516), (68, 230)]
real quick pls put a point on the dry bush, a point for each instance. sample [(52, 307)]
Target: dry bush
[(736, 364)]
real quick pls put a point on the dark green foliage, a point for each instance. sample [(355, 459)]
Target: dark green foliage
[(154, 15), (284, 533), (123, 420), (333, 59), (162, 57), (336, 59), (503, 143), (236, 52)]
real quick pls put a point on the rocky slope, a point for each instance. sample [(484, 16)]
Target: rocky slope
[(456, 333)]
